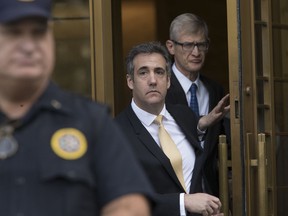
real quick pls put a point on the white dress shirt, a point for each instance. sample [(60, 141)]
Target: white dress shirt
[(202, 92), (185, 148)]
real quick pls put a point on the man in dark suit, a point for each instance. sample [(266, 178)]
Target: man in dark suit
[(189, 43), (148, 76)]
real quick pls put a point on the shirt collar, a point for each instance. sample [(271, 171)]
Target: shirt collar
[(184, 81), (145, 117)]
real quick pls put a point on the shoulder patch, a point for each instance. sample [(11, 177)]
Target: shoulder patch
[(69, 143)]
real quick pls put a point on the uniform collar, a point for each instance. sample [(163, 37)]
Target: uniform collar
[(52, 99)]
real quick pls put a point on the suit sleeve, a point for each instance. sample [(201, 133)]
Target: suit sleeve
[(167, 204)]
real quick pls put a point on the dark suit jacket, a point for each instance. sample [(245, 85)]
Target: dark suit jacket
[(176, 95), (155, 163)]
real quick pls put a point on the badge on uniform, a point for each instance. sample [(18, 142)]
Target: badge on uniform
[(8, 144), (69, 143)]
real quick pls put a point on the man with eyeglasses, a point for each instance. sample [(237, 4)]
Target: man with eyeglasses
[(189, 44)]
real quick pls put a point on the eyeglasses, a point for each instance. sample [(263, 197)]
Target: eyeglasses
[(189, 46)]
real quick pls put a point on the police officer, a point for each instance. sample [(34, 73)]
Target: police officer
[(60, 154)]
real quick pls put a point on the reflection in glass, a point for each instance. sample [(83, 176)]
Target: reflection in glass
[(279, 12), (280, 63), (282, 177), (72, 35)]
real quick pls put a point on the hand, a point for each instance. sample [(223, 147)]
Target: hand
[(219, 111), (203, 203), (128, 205)]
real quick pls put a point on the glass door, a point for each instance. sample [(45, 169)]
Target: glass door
[(83, 33), (280, 68), (72, 35), (258, 47)]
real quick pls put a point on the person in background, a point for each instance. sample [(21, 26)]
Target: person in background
[(189, 44), (60, 154), (178, 180)]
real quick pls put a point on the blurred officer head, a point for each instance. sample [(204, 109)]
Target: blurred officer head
[(13, 10), (26, 41)]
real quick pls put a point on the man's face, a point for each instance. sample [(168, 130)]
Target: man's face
[(150, 81), (26, 51), (188, 61)]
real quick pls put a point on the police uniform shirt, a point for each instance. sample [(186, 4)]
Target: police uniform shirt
[(69, 161)]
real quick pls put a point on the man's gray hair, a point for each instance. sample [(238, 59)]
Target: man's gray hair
[(188, 23)]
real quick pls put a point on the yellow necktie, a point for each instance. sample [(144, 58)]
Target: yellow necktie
[(170, 149)]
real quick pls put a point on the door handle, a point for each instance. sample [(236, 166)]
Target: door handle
[(223, 174), (236, 105), (260, 163), (262, 175)]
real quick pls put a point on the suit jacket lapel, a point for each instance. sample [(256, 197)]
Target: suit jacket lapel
[(212, 93), (147, 140), (176, 93), (185, 124), (212, 132), (189, 128)]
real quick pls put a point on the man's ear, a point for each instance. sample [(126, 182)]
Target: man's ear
[(170, 46), (130, 82), (168, 82)]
